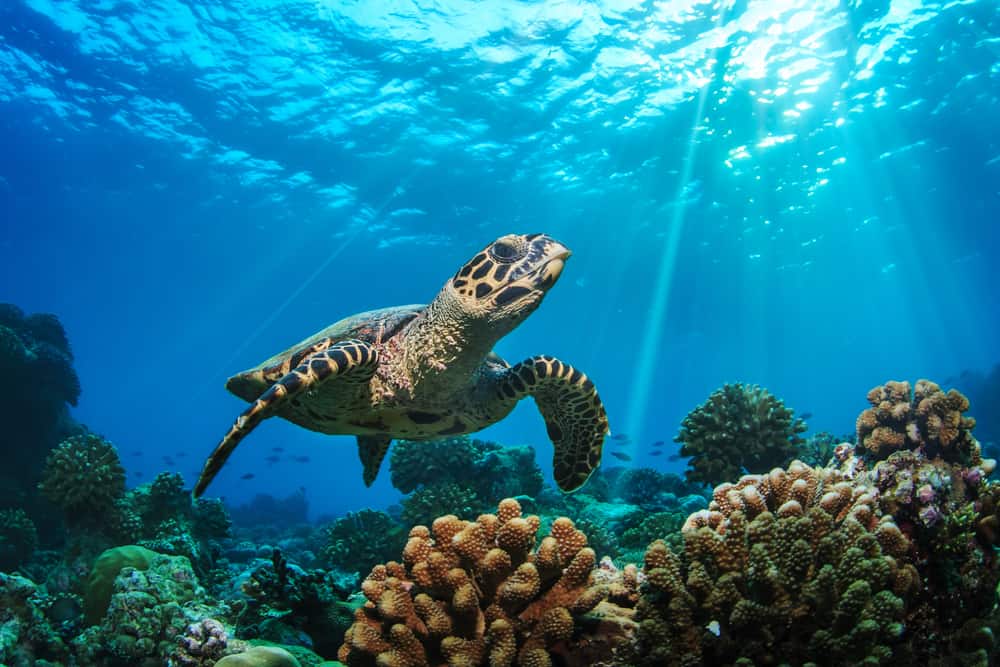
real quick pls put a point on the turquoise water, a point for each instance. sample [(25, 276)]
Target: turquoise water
[(802, 195)]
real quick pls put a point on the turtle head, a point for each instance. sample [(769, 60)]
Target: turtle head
[(506, 281)]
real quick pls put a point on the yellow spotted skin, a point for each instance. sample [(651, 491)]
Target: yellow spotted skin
[(427, 372)]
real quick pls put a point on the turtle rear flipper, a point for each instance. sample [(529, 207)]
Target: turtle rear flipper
[(372, 449), (329, 361), (574, 414)]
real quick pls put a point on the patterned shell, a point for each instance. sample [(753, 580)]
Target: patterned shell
[(371, 326)]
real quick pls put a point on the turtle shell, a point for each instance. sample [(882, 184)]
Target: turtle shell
[(372, 326)]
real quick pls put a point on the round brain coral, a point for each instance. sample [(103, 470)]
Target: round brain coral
[(84, 477), (739, 428)]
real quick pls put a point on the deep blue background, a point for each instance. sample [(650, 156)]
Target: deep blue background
[(192, 187)]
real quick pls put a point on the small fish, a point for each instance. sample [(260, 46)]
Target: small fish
[(658, 443), (619, 436), (180, 455), (806, 415), (621, 455), (272, 459), (674, 457), (138, 473), (301, 459), (656, 452), (714, 628), (137, 452), (248, 475), (277, 449), (169, 461)]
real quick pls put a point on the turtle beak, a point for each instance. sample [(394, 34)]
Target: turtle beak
[(553, 268)]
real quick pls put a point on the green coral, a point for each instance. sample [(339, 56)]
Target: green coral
[(148, 610), (740, 428), (793, 568), (360, 540), (413, 464), (490, 469), (162, 516), (658, 526), (28, 636), (818, 449), (429, 502), (100, 583), (260, 656), (84, 477), (18, 538)]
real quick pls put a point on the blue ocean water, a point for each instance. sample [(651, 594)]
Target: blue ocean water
[(793, 193)]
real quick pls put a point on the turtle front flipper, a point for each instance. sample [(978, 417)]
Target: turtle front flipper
[(347, 361), (573, 412)]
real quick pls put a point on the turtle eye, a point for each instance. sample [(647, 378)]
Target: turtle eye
[(504, 251)]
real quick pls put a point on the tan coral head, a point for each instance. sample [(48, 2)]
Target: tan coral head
[(506, 280)]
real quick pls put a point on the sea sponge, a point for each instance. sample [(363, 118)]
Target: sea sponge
[(84, 477), (739, 428)]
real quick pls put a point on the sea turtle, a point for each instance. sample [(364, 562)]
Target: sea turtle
[(425, 372)]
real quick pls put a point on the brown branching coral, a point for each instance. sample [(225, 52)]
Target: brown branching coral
[(927, 419), (739, 428), (793, 567), (480, 593)]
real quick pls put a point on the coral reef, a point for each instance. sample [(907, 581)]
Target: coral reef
[(489, 469), (18, 538), (289, 602), (949, 512), (149, 618), (265, 509), (161, 515), (793, 567), (39, 384), (202, 644), (107, 566), (27, 636), (435, 500), (818, 448), (478, 592), (84, 477), (926, 419), (740, 428), (260, 656), (360, 540)]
